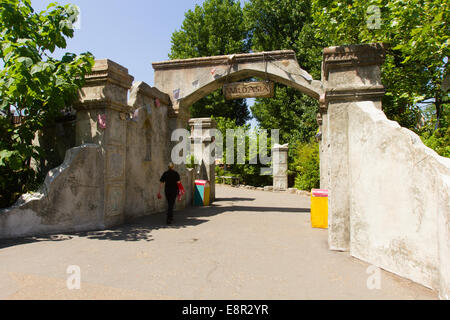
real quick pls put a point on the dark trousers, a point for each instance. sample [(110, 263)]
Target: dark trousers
[(171, 197)]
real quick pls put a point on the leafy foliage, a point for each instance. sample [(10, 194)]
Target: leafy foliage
[(307, 165), (215, 104), (414, 72), (264, 25), (250, 174), (417, 60), (33, 85), (284, 24), (293, 113), (215, 28), (437, 139)]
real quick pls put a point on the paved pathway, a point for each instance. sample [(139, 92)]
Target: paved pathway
[(249, 245)]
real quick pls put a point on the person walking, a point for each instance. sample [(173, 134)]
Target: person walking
[(172, 182)]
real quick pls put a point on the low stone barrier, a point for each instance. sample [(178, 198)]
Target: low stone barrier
[(270, 189), (71, 199)]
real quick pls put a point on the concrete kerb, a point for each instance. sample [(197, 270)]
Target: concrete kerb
[(269, 189)]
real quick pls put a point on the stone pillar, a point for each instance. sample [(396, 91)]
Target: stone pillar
[(350, 74), (321, 137), (202, 146), (280, 167), (101, 120)]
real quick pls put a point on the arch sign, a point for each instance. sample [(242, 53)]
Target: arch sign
[(239, 90)]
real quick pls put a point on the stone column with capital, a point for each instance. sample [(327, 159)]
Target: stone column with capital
[(350, 74), (280, 167), (202, 147), (321, 138), (101, 119)]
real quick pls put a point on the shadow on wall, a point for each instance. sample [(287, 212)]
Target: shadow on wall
[(140, 229)]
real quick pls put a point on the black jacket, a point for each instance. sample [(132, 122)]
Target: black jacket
[(170, 178)]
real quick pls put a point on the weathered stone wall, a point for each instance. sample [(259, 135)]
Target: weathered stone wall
[(389, 194), (67, 201), (399, 199), (148, 152), (124, 147), (101, 119)]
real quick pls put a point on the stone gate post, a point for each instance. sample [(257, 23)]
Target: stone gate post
[(350, 74), (202, 145), (101, 119), (280, 167), (322, 121)]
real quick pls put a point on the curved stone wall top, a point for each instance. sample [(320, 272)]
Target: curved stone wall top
[(141, 88), (188, 80)]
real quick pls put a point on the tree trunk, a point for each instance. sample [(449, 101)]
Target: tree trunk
[(438, 104)]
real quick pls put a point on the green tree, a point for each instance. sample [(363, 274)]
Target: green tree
[(417, 58), (279, 25), (250, 174), (307, 166), (33, 84), (215, 28), (436, 139)]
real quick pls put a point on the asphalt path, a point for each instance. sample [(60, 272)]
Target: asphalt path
[(250, 244)]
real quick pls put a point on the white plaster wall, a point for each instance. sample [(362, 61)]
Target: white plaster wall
[(399, 199)]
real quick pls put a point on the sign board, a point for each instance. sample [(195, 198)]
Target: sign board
[(240, 90)]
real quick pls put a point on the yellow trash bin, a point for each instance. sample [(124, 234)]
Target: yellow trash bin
[(319, 208)]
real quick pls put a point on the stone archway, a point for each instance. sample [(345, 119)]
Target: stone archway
[(380, 175), (355, 133), (188, 80), (389, 193), (350, 74)]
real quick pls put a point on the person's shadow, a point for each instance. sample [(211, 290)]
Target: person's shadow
[(140, 229)]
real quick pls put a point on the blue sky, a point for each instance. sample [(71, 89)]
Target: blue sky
[(133, 33)]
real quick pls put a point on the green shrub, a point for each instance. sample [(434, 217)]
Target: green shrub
[(190, 161), (307, 166), (438, 140), (250, 174)]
